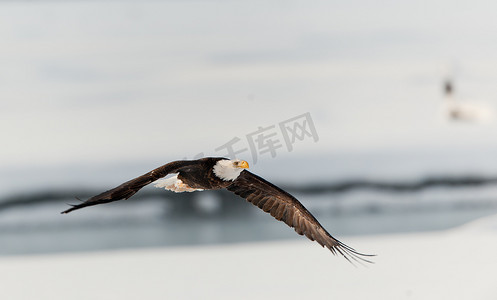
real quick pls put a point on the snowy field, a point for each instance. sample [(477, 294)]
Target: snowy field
[(453, 264), (95, 93)]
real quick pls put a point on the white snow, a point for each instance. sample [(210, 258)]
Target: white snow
[(454, 264)]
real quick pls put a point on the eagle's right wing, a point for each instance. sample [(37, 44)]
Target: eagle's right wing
[(284, 207), (129, 188)]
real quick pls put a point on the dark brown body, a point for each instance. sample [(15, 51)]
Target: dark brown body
[(201, 175)]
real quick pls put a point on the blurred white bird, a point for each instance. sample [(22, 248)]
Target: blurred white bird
[(458, 110)]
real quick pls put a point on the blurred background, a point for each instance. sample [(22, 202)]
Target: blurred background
[(391, 107)]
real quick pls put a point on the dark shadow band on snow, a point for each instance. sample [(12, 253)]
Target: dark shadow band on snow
[(69, 195), (394, 187)]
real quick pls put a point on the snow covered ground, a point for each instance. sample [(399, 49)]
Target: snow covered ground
[(90, 91), (452, 264)]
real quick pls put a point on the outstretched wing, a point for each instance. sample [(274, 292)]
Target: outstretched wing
[(129, 188), (284, 207)]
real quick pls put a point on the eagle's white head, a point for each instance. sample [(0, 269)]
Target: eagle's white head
[(229, 169)]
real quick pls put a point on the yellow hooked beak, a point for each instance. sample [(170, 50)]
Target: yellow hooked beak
[(243, 165)]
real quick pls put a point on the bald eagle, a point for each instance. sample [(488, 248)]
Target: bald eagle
[(212, 173)]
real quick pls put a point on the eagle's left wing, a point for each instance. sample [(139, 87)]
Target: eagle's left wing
[(284, 207), (129, 188)]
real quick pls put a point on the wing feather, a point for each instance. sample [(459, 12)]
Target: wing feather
[(284, 207), (129, 188)]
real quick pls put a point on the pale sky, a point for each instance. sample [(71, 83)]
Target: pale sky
[(120, 81)]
